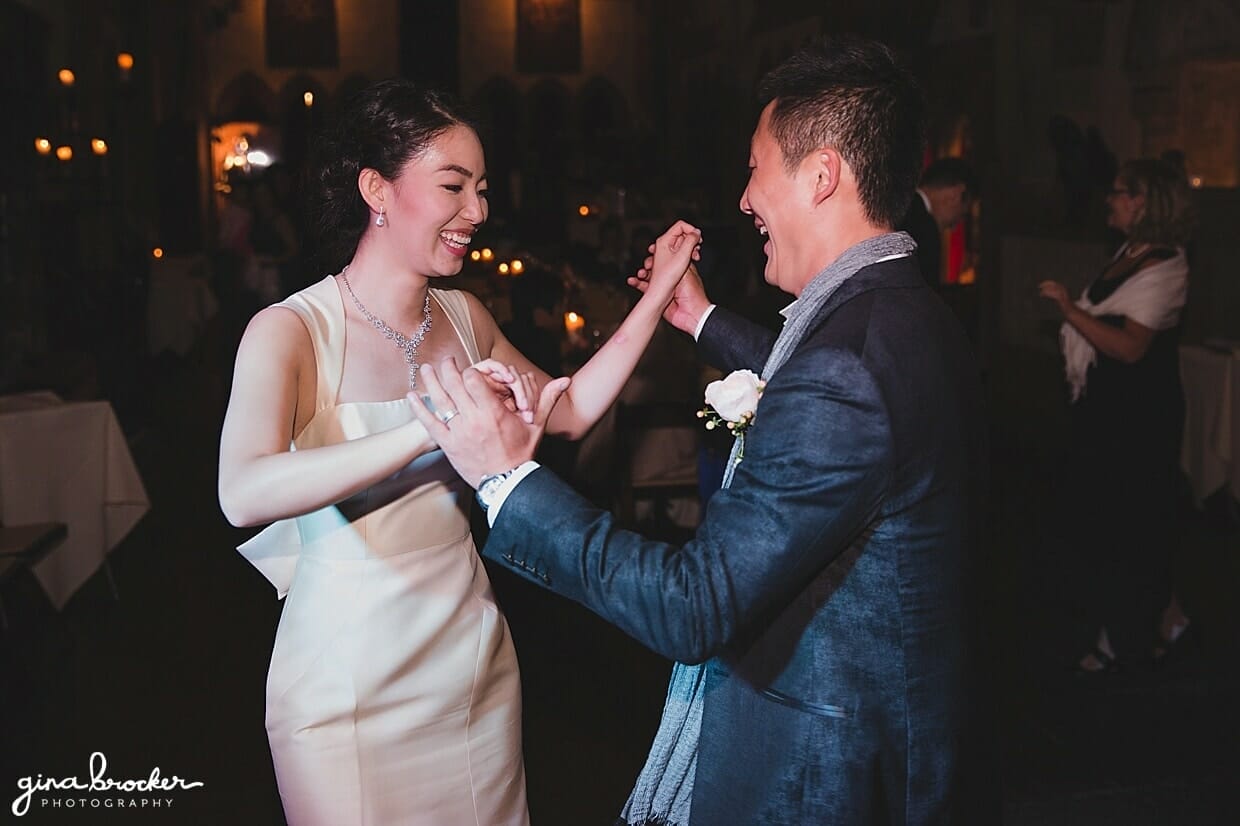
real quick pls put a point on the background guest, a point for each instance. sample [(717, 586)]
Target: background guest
[(1120, 348), (943, 199)]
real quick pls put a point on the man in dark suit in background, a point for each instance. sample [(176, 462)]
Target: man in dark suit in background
[(941, 201), (828, 586)]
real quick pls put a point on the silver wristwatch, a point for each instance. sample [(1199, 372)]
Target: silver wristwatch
[(489, 487)]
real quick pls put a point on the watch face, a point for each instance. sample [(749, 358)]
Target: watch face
[(490, 485), (488, 488)]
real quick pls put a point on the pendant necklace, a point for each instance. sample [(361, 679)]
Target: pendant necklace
[(407, 344)]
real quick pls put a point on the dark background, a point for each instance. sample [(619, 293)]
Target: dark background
[(648, 123)]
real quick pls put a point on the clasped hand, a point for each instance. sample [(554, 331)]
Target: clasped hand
[(668, 272), (480, 431), (516, 390), (490, 418)]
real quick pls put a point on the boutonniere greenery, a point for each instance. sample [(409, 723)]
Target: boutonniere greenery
[(732, 403)]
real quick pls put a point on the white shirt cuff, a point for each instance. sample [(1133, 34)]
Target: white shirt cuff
[(702, 321), (507, 487)]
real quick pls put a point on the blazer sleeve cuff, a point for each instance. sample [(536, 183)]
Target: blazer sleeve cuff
[(697, 331)]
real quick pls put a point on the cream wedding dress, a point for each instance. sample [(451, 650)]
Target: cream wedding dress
[(393, 695)]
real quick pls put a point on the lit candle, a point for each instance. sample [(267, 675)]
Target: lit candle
[(43, 146), (573, 322)]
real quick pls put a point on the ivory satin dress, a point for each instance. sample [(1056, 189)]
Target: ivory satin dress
[(393, 695)]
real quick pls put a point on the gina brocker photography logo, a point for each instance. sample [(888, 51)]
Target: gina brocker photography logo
[(98, 791)]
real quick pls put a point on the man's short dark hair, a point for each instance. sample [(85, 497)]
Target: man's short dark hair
[(853, 95), (951, 172)]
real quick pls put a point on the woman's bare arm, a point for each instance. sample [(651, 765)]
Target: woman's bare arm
[(260, 479)]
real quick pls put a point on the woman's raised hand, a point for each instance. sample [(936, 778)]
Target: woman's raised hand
[(674, 261), (673, 251)]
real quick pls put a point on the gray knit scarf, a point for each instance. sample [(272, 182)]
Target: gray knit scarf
[(664, 789)]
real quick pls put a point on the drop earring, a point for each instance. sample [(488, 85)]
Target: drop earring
[(381, 220)]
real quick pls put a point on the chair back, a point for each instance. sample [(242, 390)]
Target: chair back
[(657, 445)]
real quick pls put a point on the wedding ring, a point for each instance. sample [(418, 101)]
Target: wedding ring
[(449, 416)]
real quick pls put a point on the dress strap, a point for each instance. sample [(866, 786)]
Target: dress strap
[(456, 308), (322, 311)]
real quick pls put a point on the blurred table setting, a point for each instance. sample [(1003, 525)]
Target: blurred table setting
[(1210, 452), (630, 454), (68, 462)]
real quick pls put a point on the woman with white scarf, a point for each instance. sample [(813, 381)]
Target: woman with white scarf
[(1120, 347)]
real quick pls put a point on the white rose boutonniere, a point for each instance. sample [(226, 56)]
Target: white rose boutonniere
[(732, 402)]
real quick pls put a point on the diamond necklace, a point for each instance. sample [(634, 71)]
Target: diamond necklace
[(408, 344)]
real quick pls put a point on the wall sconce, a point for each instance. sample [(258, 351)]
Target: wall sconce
[(239, 157), (43, 146)]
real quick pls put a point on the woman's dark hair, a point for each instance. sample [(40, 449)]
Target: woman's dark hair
[(383, 127), (1169, 215)]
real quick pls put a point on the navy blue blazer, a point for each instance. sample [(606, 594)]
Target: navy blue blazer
[(827, 587)]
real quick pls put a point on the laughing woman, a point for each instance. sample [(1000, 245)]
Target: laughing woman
[(393, 695)]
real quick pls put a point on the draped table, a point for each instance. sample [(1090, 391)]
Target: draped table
[(1210, 453), (68, 462)]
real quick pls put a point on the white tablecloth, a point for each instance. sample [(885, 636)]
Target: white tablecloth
[(68, 462), (1210, 454)]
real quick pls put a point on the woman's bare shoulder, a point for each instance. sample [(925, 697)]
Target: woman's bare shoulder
[(277, 330)]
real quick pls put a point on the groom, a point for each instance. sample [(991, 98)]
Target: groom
[(827, 587)]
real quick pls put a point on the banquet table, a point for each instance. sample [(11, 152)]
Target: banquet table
[(68, 462), (1210, 452)]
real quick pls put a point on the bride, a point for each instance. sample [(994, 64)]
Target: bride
[(393, 695)]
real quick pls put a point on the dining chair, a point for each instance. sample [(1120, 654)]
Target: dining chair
[(654, 466), (21, 546)]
